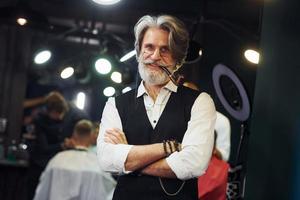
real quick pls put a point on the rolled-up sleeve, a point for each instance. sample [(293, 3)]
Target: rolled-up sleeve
[(111, 157), (198, 141)]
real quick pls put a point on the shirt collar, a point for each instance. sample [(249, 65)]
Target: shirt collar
[(169, 86), (80, 148)]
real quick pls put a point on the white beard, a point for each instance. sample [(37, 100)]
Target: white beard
[(152, 77)]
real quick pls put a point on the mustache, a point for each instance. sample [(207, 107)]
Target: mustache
[(165, 69), (161, 65)]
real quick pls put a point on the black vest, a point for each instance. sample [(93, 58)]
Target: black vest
[(171, 125)]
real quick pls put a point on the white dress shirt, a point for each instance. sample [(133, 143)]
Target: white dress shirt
[(222, 128), (74, 174), (197, 142)]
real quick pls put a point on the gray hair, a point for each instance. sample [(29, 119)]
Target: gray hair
[(178, 35)]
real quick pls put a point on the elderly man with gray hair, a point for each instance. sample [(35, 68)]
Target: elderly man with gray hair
[(158, 137)]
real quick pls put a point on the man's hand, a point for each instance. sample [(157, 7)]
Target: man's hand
[(115, 136)]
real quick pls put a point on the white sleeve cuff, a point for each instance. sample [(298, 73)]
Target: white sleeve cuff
[(120, 156), (172, 161)]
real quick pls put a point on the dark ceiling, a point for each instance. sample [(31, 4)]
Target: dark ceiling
[(81, 17), (79, 30)]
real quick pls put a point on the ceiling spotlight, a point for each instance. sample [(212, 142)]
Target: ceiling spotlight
[(116, 77), (67, 72), (106, 2), (127, 89), (109, 91), (103, 66), (252, 56), (42, 57), (80, 100), (128, 56), (21, 21)]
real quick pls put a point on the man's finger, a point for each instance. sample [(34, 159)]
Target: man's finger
[(121, 134), (108, 140), (115, 133), (114, 138)]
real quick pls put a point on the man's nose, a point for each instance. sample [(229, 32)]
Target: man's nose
[(156, 54)]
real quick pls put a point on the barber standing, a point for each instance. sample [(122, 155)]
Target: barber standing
[(159, 138)]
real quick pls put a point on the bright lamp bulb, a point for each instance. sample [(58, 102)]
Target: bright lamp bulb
[(109, 91), (42, 57), (127, 89), (252, 56), (106, 2), (103, 66), (22, 21), (116, 77), (80, 101), (67, 73), (128, 56)]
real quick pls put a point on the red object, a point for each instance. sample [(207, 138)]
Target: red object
[(212, 185)]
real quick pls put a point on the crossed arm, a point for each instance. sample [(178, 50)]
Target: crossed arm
[(116, 156), (149, 159)]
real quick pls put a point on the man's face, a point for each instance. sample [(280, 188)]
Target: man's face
[(155, 52)]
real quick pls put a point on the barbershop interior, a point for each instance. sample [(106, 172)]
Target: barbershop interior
[(241, 52)]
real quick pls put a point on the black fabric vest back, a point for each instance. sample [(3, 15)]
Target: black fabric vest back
[(171, 125)]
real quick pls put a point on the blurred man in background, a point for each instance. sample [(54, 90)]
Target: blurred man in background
[(75, 173)]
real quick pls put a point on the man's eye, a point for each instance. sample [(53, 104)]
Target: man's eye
[(164, 50), (149, 47)]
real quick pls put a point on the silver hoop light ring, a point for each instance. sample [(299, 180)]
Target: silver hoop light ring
[(222, 70)]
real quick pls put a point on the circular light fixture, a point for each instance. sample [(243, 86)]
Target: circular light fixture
[(103, 66), (127, 89), (106, 2), (67, 72), (242, 112), (116, 77), (42, 57), (252, 56), (21, 21), (109, 91)]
